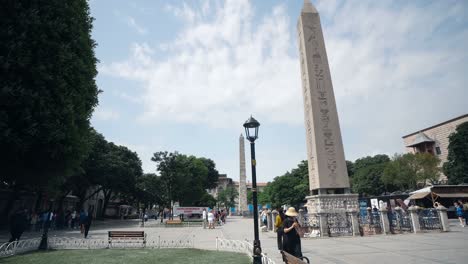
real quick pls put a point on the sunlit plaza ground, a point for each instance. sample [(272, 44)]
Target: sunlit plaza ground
[(428, 248)]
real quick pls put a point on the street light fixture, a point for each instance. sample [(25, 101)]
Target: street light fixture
[(251, 133)]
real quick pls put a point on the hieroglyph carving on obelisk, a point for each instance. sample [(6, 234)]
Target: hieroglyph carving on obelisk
[(325, 155), (242, 178)]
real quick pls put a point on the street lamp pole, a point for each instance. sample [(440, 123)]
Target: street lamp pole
[(251, 130)]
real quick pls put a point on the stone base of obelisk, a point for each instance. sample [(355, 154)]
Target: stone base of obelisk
[(321, 207)]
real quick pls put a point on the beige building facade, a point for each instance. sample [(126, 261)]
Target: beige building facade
[(434, 140)]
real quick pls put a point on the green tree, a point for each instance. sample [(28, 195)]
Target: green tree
[(122, 169), (185, 177), (367, 175), (149, 190), (350, 168), (47, 91), (456, 167), (227, 197), (290, 188), (408, 171)]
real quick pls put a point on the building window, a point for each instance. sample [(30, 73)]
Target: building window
[(438, 151)]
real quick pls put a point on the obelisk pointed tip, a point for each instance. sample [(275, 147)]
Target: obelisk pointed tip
[(308, 7)]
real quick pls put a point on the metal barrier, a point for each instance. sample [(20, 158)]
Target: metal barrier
[(17, 247), (239, 246), (370, 224), (400, 222), (339, 224), (429, 219)]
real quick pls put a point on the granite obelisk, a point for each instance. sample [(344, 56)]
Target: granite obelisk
[(328, 176), (242, 178)]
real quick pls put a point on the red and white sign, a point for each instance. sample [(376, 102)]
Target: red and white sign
[(188, 210)]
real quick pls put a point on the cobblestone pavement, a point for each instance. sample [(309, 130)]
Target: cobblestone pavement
[(426, 248)]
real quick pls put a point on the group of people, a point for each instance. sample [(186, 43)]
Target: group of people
[(22, 221), (287, 230), (212, 218)]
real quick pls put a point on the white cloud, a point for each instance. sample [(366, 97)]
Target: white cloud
[(395, 69), (220, 68)]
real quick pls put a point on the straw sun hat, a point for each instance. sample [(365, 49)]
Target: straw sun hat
[(291, 212)]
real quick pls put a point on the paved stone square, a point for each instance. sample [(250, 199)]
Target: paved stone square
[(425, 248)]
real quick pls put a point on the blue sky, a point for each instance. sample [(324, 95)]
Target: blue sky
[(184, 75)]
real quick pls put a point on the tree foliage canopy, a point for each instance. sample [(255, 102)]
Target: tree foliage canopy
[(47, 89), (367, 175), (185, 177), (456, 167), (408, 171), (290, 188), (227, 197)]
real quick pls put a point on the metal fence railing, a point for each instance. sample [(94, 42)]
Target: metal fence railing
[(17, 247), (239, 246)]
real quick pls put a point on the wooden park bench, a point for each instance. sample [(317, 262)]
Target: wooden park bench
[(290, 259), (127, 236), (174, 222)]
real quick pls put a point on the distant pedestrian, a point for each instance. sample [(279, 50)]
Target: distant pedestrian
[(291, 239), (73, 220), (18, 223), (83, 219), (465, 210), (264, 217), (204, 218), (279, 228), (211, 219), (459, 210), (33, 223), (87, 224)]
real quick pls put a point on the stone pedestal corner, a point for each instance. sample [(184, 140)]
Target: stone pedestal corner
[(442, 211), (385, 222), (413, 210)]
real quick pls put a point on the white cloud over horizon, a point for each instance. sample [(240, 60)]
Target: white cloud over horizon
[(396, 68)]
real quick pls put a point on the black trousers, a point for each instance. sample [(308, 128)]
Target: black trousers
[(279, 239), (86, 230)]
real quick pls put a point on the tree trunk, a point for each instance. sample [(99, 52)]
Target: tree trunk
[(107, 195), (9, 204)]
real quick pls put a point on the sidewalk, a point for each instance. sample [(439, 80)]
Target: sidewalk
[(425, 248)]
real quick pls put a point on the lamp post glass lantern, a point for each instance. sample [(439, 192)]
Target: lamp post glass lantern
[(251, 133)]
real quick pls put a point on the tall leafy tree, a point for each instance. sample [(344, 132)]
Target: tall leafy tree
[(227, 197), (456, 167), (290, 188), (123, 168), (367, 174), (47, 90), (185, 177), (409, 171)]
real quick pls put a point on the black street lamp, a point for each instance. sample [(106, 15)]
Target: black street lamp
[(251, 133)]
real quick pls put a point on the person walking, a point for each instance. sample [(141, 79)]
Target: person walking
[(459, 211), (73, 220), (263, 216), (83, 218), (211, 219), (465, 210), (291, 239), (279, 227), (87, 224)]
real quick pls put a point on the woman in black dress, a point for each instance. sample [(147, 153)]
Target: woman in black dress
[(291, 239)]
